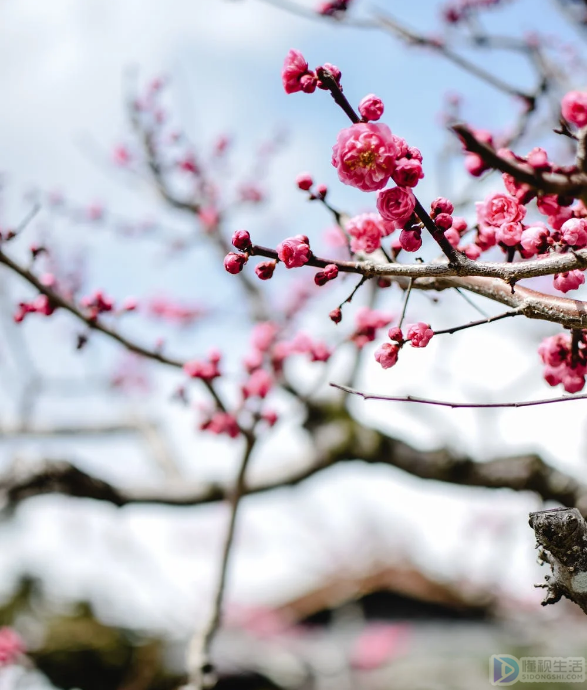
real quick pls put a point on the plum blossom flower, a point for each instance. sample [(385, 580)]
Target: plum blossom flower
[(258, 385), (295, 74), (498, 209), (408, 172), (371, 107), (570, 280), (304, 181), (234, 263), (574, 232), (366, 231), (419, 334), (533, 239), (364, 156), (294, 251), (509, 234), (555, 350), (410, 240), (387, 355), (396, 204), (574, 108), (265, 270)]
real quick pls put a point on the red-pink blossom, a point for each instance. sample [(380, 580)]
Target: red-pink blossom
[(534, 239), (258, 385), (387, 355), (396, 204), (263, 335), (304, 181), (270, 416), (509, 234), (265, 270), (294, 251), (475, 165), (408, 172), (499, 208), (11, 646), (574, 108), (221, 423), (201, 369), (364, 155), (574, 232), (241, 239), (410, 240), (295, 74), (419, 334), (443, 221), (555, 349), (378, 644), (368, 322), (395, 333), (472, 251), (371, 107), (335, 315), (234, 263), (453, 237), (441, 205), (331, 8), (538, 159), (330, 272), (366, 232), (570, 280), (485, 237)]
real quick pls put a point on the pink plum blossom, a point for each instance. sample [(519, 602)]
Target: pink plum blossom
[(11, 646), (509, 234), (294, 251), (387, 355), (396, 204), (419, 334), (574, 108), (498, 209), (295, 74), (371, 107), (364, 156), (366, 231), (570, 280)]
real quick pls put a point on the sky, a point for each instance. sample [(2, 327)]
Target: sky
[(62, 67)]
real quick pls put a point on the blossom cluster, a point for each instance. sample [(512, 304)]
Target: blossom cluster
[(565, 361)]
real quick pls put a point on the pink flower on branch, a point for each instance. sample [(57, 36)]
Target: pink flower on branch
[(419, 334), (371, 107), (387, 355), (397, 204), (364, 156), (294, 251), (366, 232), (574, 108), (295, 74), (570, 280)]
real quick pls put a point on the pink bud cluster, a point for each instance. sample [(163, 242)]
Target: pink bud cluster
[(574, 108), (174, 312), (562, 365), (418, 335), (455, 12), (295, 74), (206, 370), (97, 303), (368, 322), (332, 8), (11, 646), (40, 305)]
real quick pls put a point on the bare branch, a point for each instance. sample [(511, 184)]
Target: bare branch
[(458, 405)]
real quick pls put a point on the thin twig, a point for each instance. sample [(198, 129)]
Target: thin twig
[(490, 319), (406, 300), (202, 669), (457, 405)]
